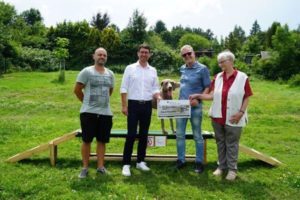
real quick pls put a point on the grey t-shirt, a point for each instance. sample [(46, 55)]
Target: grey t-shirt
[(96, 90)]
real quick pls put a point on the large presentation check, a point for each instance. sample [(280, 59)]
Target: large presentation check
[(174, 109)]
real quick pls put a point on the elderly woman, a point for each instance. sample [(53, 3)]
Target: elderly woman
[(230, 91)]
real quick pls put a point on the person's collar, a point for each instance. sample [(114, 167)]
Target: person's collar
[(235, 71), (139, 65), (193, 65)]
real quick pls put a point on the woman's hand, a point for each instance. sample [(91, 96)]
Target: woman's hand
[(234, 119)]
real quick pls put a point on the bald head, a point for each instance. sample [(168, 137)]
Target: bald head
[(100, 56)]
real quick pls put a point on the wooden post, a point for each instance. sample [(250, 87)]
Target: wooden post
[(53, 153)]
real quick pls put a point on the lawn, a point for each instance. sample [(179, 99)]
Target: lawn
[(35, 109)]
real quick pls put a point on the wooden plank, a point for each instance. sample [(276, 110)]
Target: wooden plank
[(28, 153), (150, 157), (258, 155), (189, 135), (65, 137)]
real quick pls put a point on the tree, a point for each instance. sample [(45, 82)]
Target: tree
[(137, 27), (100, 21), (160, 27), (270, 32), (255, 28), (196, 41), (110, 40), (32, 16), (235, 39), (79, 48), (61, 53)]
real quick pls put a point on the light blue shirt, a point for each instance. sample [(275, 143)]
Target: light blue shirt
[(96, 90), (193, 80)]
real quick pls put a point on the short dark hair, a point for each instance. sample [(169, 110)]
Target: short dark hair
[(144, 46)]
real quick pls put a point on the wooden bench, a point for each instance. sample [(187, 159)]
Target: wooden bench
[(52, 146), (155, 157)]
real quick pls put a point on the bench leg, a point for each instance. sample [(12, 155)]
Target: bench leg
[(204, 151), (53, 154)]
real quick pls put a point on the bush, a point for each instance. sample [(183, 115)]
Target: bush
[(166, 62), (243, 67), (37, 59), (294, 81), (211, 63)]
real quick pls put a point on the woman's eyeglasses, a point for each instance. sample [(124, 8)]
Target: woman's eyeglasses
[(223, 61)]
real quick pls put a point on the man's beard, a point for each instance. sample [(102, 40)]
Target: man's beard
[(101, 62)]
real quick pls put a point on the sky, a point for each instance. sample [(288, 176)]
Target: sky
[(218, 15)]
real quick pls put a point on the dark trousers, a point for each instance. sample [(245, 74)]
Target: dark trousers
[(139, 115)]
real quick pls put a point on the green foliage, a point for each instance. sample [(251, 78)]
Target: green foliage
[(285, 56), (137, 27), (159, 27), (255, 28), (100, 21), (7, 14), (269, 34), (294, 81), (37, 59), (61, 52), (110, 40), (163, 58), (235, 40), (196, 41), (211, 63), (32, 16), (78, 34)]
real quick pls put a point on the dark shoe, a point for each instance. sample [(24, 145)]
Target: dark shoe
[(179, 164), (83, 173), (199, 168), (103, 171)]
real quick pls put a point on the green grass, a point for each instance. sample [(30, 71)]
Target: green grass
[(35, 109)]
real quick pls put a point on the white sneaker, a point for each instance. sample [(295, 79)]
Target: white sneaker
[(126, 170), (231, 175), (218, 172), (142, 166)]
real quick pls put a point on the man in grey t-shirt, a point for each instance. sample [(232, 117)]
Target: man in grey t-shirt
[(94, 86)]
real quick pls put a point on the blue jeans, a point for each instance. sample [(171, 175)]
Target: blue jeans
[(196, 119)]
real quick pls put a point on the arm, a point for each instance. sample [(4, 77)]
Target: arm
[(124, 103), (234, 119), (203, 96), (157, 96), (111, 91), (78, 90)]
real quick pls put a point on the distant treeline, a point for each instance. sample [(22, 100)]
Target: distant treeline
[(27, 44)]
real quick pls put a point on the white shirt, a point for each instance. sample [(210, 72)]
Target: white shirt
[(140, 83)]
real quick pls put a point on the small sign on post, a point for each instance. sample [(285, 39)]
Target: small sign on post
[(157, 141)]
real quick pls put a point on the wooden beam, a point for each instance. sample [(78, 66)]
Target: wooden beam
[(150, 157), (64, 138), (258, 155), (28, 153), (51, 145)]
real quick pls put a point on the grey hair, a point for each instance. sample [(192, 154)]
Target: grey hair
[(186, 47), (228, 55)]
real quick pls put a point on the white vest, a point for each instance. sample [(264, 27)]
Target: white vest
[(234, 99)]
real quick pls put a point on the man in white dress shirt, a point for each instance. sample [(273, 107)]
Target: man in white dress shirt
[(139, 86)]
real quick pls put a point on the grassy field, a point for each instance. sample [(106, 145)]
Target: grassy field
[(34, 109)]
